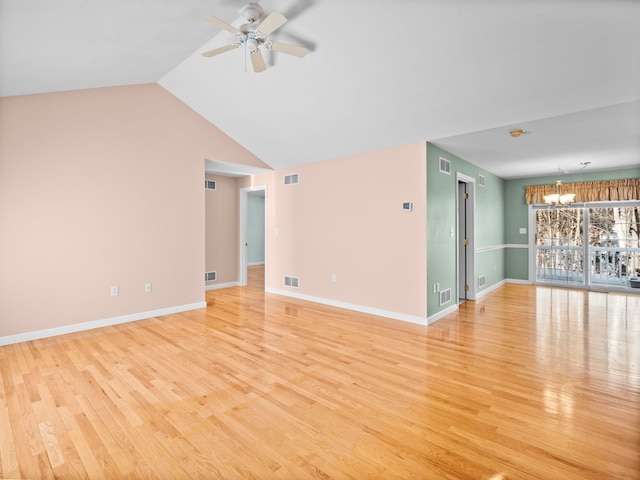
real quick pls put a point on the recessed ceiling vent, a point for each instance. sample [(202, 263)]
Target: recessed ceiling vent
[(291, 179), (445, 166), (210, 276), (445, 296), (291, 282), (210, 184), (481, 180)]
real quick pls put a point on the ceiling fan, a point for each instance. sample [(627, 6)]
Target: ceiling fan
[(252, 37)]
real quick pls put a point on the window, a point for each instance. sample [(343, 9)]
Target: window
[(594, 245)]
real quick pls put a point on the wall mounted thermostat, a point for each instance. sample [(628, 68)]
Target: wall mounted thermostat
[(407, 207)]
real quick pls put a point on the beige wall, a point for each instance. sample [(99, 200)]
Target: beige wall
[(222, 229), (105, 187), (345, 218), (98, 188)]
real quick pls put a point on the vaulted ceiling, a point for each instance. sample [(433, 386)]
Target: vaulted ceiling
[(379, 73)]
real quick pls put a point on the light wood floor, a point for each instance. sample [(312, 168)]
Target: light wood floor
[(532, 383)]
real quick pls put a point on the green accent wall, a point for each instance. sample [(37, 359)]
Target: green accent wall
[(502, 252), (517, 212), (441, 217)]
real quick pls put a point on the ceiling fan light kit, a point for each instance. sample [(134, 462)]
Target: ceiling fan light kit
[(252, 37)]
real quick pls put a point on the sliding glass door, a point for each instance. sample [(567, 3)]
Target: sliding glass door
[(614, 251), (560, 246), (592, 245)]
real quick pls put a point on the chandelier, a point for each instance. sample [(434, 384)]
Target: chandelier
[(559, 198)]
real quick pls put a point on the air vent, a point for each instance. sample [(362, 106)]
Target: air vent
[(210, 184), (445, 296), (482, 280), (481, 180), (291, 282), (291, 179), (445, 166), (210, 276)]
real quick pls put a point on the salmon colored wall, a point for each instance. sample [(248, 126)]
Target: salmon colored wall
[(222, 229), (98, 188), (345, 217)]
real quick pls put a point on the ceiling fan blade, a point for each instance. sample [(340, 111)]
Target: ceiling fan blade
[(257, 60), (289, 49), (218, 51), (221, 23), (270, 24)]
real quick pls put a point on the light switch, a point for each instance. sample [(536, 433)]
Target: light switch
[(523, 231)]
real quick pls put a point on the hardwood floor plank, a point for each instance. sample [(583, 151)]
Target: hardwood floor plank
[(526, 383), (8, 459)]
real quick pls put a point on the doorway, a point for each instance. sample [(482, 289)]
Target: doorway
[(465, 237), (253, 231)]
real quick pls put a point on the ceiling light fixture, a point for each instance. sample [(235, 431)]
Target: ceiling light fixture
[(516, 133), (559, 198)]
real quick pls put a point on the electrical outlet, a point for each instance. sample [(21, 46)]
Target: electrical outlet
[(334, 277), (115, 290), (147, 287)]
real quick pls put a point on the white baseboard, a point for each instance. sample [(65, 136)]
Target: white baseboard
[(350, 306), (106, 322), (221, 285), (442, 314), (253, 264), (484, 291), (515, 280)]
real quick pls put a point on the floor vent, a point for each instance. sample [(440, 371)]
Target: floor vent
[(210, 276), (291, 282), (445, 296), (482, 280), (291, 179), (481, 180), (210, 184), (445, 166)]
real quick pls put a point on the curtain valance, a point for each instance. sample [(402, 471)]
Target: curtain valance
[(602, 191)]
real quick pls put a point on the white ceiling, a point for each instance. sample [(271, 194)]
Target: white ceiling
[(380, 73)]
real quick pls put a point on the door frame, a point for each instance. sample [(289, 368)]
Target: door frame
[(242, 248), (470, 260)]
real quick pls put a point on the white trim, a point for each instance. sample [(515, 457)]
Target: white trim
[(490, 249), (221, 285), (518, 281), (493, 287), (350, 306), (106, 322), (442, 314), (253, 264), (500, 247)]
